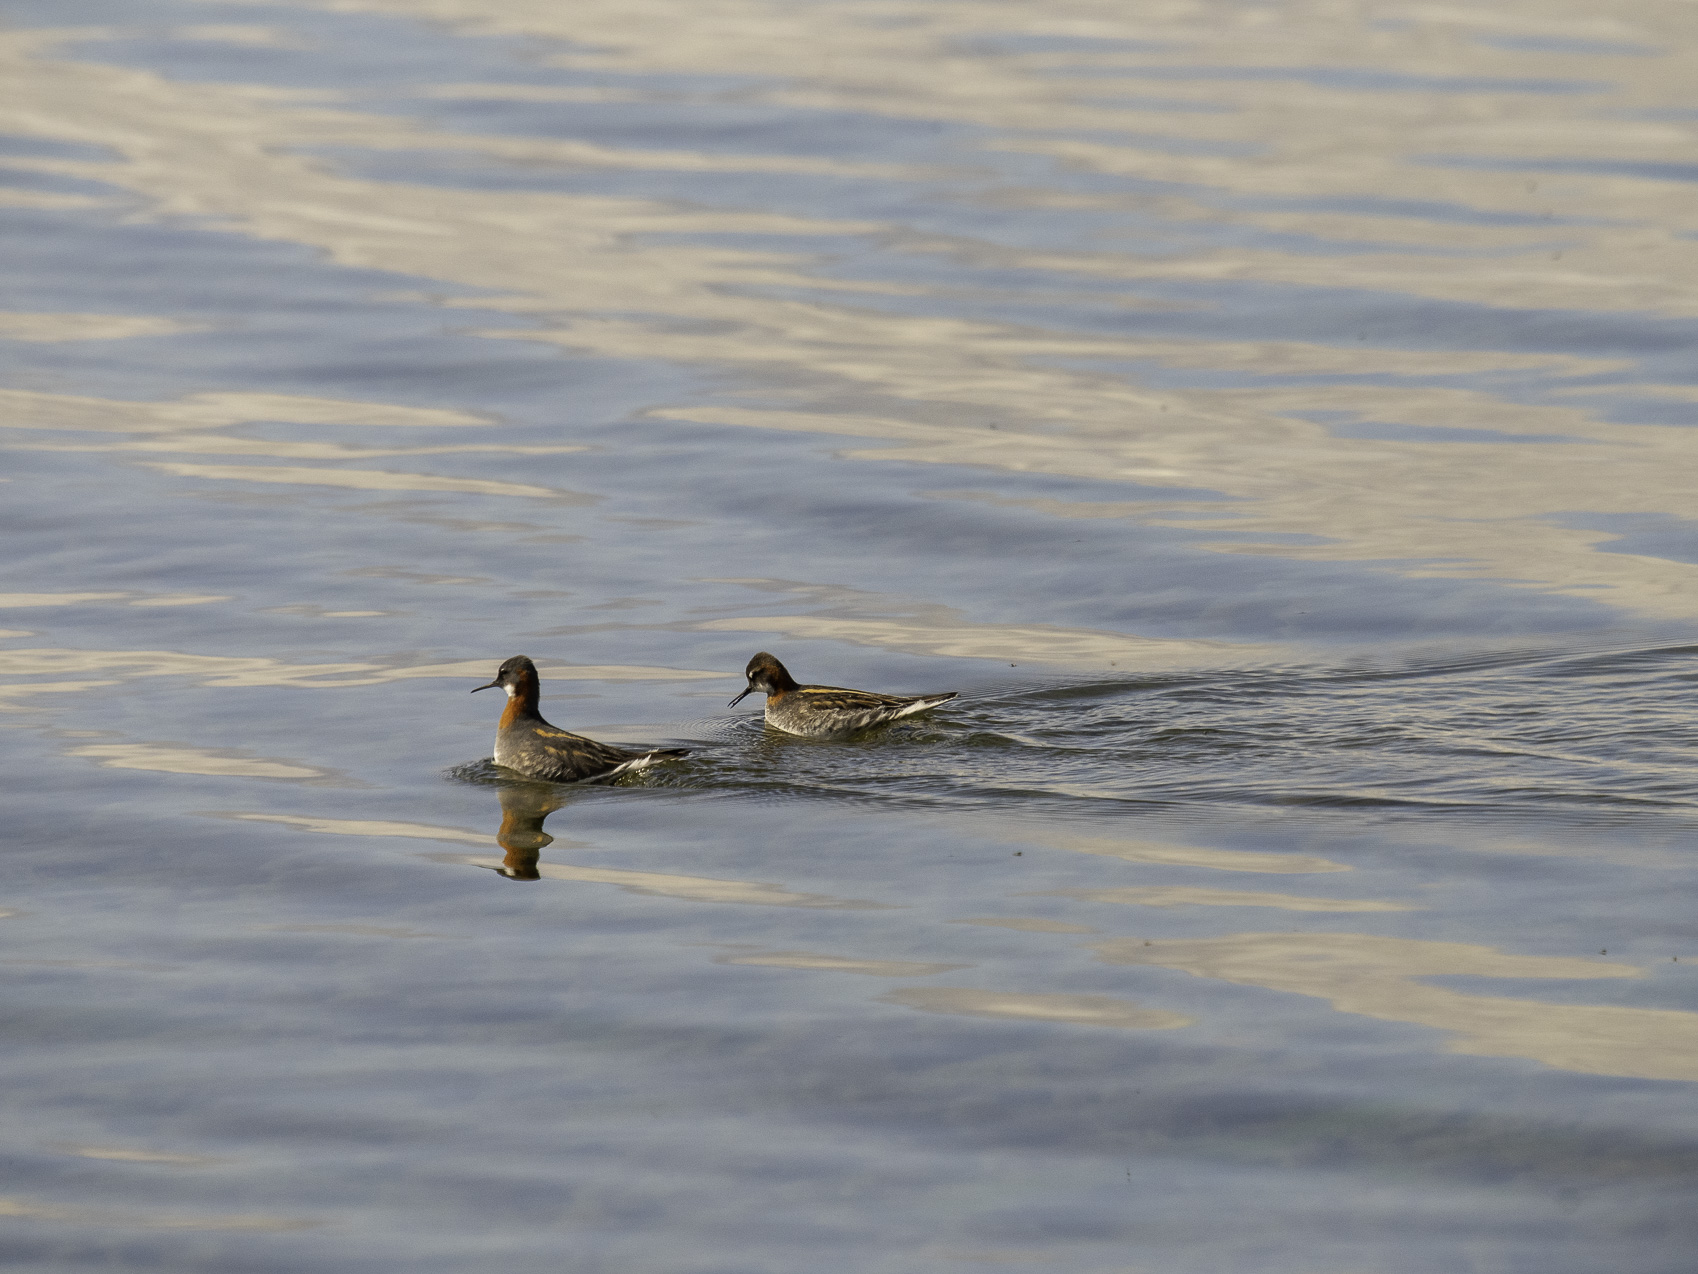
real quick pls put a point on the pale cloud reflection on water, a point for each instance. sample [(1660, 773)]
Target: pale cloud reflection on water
[(1373, 975), (568, 259)]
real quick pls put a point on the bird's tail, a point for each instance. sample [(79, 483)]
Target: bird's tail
[(647, 759), (925, 702)]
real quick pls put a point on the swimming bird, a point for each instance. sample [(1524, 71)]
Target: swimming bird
[(825, 712), (538, 750)]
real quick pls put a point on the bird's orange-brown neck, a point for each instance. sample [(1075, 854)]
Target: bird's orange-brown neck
[(522, 702)]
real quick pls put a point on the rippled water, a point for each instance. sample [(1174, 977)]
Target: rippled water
[(1274, 419)]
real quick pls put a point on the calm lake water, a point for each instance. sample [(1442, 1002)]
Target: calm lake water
[(1275, 419)]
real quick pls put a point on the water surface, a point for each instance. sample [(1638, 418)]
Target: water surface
[(1274, 420)]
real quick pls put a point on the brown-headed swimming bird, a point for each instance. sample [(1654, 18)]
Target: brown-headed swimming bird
[(826, 712), (525, 743)]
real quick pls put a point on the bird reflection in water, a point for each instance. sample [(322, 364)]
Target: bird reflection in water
[(524, 806)]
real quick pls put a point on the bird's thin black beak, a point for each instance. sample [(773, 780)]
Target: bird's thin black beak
[(490, 686), (739, 699)]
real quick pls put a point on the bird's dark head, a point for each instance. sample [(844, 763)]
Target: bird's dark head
[(514, 676), (766, 675)]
